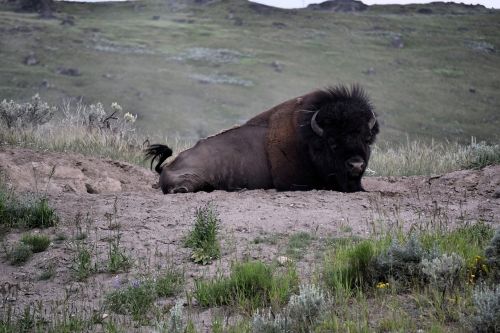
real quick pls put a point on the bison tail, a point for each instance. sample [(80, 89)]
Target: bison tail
[(162, 152)]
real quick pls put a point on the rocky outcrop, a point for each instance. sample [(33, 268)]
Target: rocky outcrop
[(339, 6)]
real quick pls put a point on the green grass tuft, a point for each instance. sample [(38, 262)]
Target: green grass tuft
[(20, 254), (136, 299), (38, 243), (298, 244), (23, 212), (250, 285), (169, 282)]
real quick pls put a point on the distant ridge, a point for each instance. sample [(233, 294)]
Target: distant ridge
[(339, 6)]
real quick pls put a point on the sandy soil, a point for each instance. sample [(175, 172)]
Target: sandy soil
[(152, 225)]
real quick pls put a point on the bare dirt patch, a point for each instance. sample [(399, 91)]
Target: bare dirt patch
[(255, 224)]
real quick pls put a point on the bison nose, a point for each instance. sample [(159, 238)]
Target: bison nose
[(355, 166)]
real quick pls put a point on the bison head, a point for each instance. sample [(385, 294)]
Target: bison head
[(338, 131)]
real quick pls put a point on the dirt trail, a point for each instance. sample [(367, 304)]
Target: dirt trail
[(153, 225)]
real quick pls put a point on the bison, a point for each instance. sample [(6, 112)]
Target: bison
[(317, 141)]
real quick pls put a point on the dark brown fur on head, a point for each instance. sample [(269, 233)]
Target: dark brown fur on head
[(344, 115)]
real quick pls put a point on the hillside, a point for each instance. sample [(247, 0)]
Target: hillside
[(189, 69)]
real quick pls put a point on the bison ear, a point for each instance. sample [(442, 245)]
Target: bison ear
[(315, 127)]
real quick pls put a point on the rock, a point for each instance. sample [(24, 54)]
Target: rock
[(156, 18), (279, 25), (68, 21), (472, 90), (481, 46), (46, 84), (397, 42), (68, 71), (91, 189), (278, 66), (369, 71), (106, 185), (109, 76), (31, 59), (283, 261)]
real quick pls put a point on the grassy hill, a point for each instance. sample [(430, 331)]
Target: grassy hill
[(191, 69)]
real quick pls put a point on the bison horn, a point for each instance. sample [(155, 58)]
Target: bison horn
[(372, 121), (314, 125)]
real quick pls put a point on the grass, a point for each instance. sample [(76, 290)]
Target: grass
[(250, 285), (118, 260), (138, 297), (38, 243), (169, 282), (20, 254), (298, 244), (203, 238), (421, 158), (83, 264), (24, 212)]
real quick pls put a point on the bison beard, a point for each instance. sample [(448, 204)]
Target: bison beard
[(317, 141)]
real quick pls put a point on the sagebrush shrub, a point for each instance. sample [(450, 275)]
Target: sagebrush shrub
[(31, 114), (492, 254), (401, 262), (444, 272), (487, 302), (299, 315)]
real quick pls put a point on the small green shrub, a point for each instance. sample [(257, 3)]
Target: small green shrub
[(487, 302), (48, 273), (83, 266), (169, 282), (136, 299), (118, 261), (38, 243), (250, 285), (20, 254), (203, 238)]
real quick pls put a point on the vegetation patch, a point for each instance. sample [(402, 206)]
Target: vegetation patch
[(298, 244), (38, 243), (19, 254), (250, 285), (24, 212), (138, 296), (203, 238)]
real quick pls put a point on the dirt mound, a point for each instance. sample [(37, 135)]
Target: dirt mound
[(28, 170), (152, 225)]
